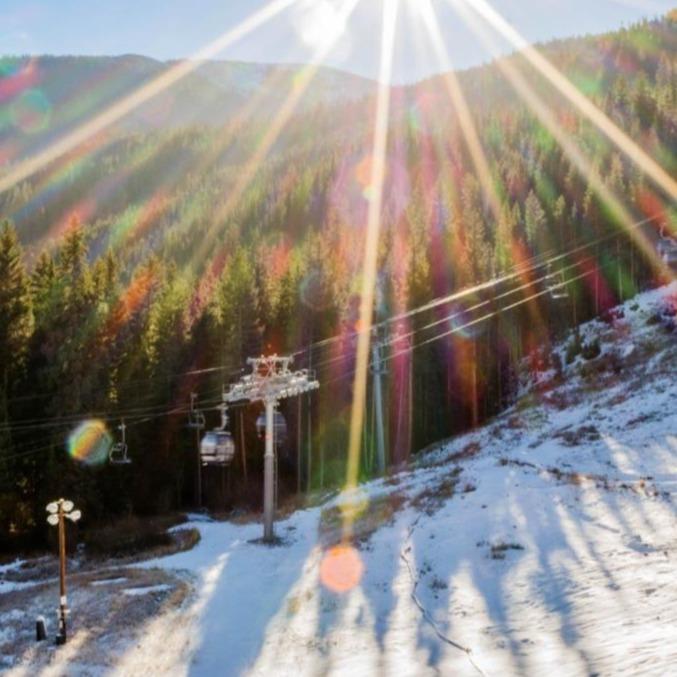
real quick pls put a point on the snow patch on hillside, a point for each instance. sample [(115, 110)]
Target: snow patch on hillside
[(543, 542)]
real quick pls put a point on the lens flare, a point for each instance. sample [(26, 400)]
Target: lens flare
[(283, 115), (122, 107), (372, 235), (350, 193), (17, 76), (341, 569), (353, 503), (584, 105), (31, 112), (313, 294), (461, 107), (462, 316), (573, 149), (90, 443)]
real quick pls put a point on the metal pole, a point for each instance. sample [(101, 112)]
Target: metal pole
[(475, 402), (242, 446), (268, 488), (410, 400), (597, 274), (309, 445), (620, 279), (299, 423), (270, 381), (199, 468), (61, 637), (309, 430), (378, 398)]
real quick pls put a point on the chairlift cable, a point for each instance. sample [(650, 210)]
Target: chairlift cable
[(534, 264)]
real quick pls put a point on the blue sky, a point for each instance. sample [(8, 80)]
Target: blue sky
[(169, 29)]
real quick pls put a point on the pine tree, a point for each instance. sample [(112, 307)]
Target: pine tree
[(505, 233), (477, 244), (16, 314), (42, 282), (534, 217), (235, 311), (16, 320)]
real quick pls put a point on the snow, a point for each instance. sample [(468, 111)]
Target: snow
[(12, 566), (552, 549), (109, 581), (14, 586), (163, 587)]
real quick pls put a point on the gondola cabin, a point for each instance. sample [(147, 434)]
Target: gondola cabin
[(667, 250), (217, 448), (556, 285), (279, 427)]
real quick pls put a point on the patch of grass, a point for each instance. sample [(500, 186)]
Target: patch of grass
[(135, 535), (295, 603), (638, 420), (431, 499), (613, 315), (438, 584), (591, 349), (573, 348), (515, 423), (499, 550), (503, 461), (365, 520), (578, 436), (561, 400), (469, 450)]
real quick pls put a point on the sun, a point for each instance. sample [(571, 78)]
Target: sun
[(321, 21)]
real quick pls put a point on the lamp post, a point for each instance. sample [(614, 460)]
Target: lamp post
[(59, 511), (271, 380)]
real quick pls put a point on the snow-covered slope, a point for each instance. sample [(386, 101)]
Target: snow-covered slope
[(543, 543)]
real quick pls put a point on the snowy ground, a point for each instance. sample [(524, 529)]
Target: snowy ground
[(543, 543)]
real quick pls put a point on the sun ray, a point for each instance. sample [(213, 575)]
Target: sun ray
[(427, 13), (144, 93), (378, 169), (581, 102), (287, 110), (61, 170)]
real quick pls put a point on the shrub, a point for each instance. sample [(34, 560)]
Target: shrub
[(612, 315), (556, 362), (591, 349), (469, 450), (581, 435), (573, 348), (669, 310), (539, 359)]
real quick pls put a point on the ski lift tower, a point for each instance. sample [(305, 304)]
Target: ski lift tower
[(270, 381)]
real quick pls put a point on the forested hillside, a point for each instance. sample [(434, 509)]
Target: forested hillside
[(45, 97), (151, 263)]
